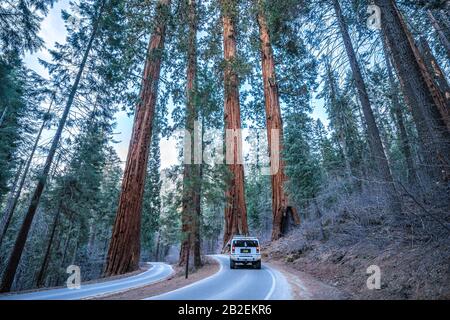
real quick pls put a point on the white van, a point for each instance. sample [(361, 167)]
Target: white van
[(245, 251)]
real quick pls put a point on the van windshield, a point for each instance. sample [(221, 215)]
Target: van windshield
[(245, 243)]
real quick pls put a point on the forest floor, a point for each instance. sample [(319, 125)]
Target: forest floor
[(177, 280), (413, 265)]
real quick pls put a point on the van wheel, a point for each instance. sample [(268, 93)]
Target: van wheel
[(257, 265), (232, 266)]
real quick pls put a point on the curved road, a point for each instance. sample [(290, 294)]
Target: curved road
[(158, 271), (236, 284)]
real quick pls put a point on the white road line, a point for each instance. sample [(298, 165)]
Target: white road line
[(192, 284), (272, 288), (131, 288), (105, 285), (98, 289), (221, 263)]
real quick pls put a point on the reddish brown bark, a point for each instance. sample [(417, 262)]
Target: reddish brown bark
[(438, 77), (190, 215), (235, 209), (437, 95), (124, 248), (274, 125)]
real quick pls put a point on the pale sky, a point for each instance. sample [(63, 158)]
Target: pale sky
[(53, 30)]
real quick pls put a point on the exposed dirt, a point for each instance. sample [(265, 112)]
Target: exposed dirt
[(177, 280), (411, 268), (306, 287)]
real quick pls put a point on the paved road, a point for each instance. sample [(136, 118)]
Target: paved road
[(158, 271), (236, 284)]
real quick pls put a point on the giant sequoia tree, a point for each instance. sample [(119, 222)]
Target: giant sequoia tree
[(235, 209), (274, 126), (124, 249)]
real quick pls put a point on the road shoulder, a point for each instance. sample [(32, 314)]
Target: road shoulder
[(306, 287), (175, 281)]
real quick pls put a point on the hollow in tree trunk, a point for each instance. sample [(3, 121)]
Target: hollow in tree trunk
[(274, 125)]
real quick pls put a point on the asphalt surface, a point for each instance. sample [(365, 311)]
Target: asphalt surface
[(157, 272), (243, 283)]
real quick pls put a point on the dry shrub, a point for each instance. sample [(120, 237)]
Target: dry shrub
[(349, 227)]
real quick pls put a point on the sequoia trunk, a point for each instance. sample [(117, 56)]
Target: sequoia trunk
[(438, 76), (124, 248), (274, 125), (235, 209)]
